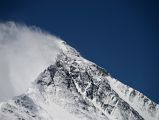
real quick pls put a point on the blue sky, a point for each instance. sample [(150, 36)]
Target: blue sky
[(121, 36)]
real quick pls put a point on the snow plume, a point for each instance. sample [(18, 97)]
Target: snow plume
[(24, 53)]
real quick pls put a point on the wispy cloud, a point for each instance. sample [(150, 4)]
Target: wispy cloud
[(24, 53)]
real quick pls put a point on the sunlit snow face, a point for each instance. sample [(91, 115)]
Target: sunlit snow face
[(24, 53)]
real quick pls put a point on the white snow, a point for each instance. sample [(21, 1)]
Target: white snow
[(117, 87)]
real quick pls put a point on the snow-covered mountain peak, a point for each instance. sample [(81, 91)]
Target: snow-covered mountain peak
[(74, 88)]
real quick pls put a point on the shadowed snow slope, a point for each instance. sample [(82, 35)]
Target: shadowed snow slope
[(73, 88)]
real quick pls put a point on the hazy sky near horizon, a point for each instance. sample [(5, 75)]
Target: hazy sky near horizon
[(121, 36)]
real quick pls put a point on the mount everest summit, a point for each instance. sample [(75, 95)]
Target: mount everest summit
[(73, 88)]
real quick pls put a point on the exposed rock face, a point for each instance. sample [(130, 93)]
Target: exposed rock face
[(82, 90)]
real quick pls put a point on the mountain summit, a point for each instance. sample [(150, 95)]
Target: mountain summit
[(73, 88)]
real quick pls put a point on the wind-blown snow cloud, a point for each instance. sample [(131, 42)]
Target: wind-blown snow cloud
[(24, 53)]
